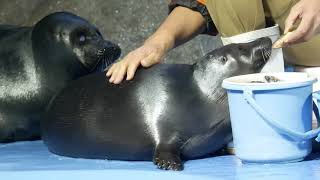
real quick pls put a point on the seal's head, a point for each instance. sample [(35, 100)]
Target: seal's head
[(236, 59), (230, 60), (70, 43)]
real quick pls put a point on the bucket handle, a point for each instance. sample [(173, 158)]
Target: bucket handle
[(248, 96)]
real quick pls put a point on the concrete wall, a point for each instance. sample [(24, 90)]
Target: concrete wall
[(126, 22)]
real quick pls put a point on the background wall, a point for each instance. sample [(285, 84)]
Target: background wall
[(126, 22)]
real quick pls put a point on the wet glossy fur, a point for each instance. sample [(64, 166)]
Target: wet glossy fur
[(167, 114), (37, 61)]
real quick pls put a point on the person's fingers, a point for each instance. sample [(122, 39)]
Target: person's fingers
[(300, 34), (291, 19), (114, 72), (132, 69), (145, 56), (120, 73), (110, 70), (134, 63)]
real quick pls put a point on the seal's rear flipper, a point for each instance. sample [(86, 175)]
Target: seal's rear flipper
[(167, 157)]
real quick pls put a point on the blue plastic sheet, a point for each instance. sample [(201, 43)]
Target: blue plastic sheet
[(32, 160)]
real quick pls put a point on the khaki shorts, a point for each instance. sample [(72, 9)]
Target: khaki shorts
[(233, 17)]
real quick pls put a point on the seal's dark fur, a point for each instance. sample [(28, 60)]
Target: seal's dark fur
[(167, 113), (36, 62)]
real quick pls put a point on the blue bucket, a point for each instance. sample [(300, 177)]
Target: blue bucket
[(272, 122)]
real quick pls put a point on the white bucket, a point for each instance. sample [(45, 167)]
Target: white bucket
[(276, 62)]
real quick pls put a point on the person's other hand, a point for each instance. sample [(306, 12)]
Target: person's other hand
[(146, 56), (308, 13)]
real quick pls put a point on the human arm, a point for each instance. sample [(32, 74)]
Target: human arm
[(181, 25)]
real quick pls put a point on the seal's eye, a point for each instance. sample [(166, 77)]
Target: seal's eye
[(223, 59), (82, 38)]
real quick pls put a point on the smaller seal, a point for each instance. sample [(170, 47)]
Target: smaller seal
[(36, 62), (167, 113)]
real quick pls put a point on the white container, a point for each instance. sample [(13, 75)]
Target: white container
[(312, 72), (276, 62)]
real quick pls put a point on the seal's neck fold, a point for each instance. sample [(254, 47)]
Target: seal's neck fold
[(209, 83)]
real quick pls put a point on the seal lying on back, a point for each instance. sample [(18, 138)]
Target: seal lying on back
[(168, 113), (36, 62)]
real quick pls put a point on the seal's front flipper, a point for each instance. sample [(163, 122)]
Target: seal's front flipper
[(167, 157)]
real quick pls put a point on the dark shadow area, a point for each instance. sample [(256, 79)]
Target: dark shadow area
[(313, 156)]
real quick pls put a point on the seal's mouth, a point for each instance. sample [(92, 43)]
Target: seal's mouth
[(263, 52), (266, 54), (106, 57)]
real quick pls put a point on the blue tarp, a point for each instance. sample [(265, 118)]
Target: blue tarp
[(32, 160)]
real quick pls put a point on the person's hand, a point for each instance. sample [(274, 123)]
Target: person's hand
[(308, 13), (146, 56), (175, 30)]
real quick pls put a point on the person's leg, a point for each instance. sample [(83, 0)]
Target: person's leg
[(235, 17)]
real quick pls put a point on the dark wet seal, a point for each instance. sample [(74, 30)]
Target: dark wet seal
[(150, 117), (36, 62)]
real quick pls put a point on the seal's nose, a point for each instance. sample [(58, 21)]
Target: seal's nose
[(109, 54), (112, 49)]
